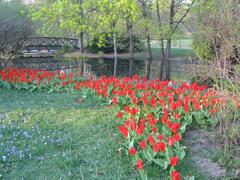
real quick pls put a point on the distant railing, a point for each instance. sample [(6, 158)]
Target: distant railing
[(51, 42)]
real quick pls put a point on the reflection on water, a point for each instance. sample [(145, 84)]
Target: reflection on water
[(106, 66), (97, 67)]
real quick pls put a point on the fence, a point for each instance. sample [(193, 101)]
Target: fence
[(178, 44)]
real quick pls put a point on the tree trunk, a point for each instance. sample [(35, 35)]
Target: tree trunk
[(169, 40), (163, 60), (115, 54), (162, 63), (82, 51), (81, 33), (1, 67), (81, 43), (168, 55), (148, 39), (88, 39), (149, 59), (235, 57), (131, 50)]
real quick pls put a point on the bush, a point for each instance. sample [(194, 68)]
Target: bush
[(202, 48), (104, 43)]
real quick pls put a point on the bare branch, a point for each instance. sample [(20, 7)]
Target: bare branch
[(181, 19)]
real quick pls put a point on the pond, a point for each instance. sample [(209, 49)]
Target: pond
[(100, 66), (96, 66)]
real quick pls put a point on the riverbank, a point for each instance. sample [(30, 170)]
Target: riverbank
[(176, 53)]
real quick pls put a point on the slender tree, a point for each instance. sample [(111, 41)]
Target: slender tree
[(177, 10), (146, 11), (161, 41), (107, 18), (130, 12), (110, 14)]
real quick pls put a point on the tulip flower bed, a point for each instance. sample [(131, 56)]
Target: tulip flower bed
[(37, 80), (153, 115)]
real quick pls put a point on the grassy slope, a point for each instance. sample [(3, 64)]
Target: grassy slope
[(55, 137)]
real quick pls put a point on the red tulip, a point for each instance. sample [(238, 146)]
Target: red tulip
[(143, 144), (162, 146), (132, 151), (175, 175), (174, 161), (139, 165), (123, 130)]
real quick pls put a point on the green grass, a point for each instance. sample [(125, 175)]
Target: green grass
[(54, 136), (185, 43), (175, 52), (156, 52)]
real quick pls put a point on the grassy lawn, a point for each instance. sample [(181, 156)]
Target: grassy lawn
[(54, 136), (156, 52), (176, 43), (175, 52)]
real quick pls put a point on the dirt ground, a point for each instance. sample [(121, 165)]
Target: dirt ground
[(201, 144)]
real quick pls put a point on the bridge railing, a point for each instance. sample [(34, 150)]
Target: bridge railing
[(51, 41)]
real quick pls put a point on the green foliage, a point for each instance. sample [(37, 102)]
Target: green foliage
[(68, 15), (14, 13), (12, 10), (202, 48), (106, 45), (92, 16), (63, 50)]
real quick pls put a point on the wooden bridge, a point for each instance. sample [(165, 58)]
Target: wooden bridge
[(47, 46), (51, 42)]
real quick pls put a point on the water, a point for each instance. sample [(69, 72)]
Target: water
[(99, 67)]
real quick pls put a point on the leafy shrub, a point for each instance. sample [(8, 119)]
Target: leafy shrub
[(104, 43), (202, 48)]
